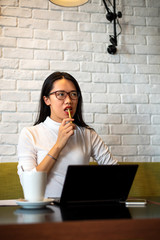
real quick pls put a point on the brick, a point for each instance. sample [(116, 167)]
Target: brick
[(62, 26), (134, 98), (147, 49), (9, 138), (15, 96), (154, 79), (135, 78), (35, 96), (148, 150), (136, 119), (33, 23), (94, 67), (141, 59), (88, 87), (124, 129), (18, 32), (76, 17), (91, 108), (7, 150), (7, 106), (121, 108), (7, 85), (146, 12), (145, 30), (8, 21), (155, 119), (77, 36), (17, 74), (108, 118), (66, 66), (77, 56), (18, 53), (33, 4), (153, 40), (154, 59), (8, 63), (108, 78), (92, 27), (148, 109), (62, 45), (149, 129), (100, 128), (137, 159), (149, 88), (16, 12), (8, 128), (121, 88), (45, 14), (17, 117), (132, 39), (103, 57), (153, 3), (124, 150), (9, 3), (88, 117), (91, 47), (29, 85), (27, 107), (135, 140), (46, 34), (121, 68), (105, 97), (48, 55), (111, 140), (153, 21), (7, 42), (32, 43), (155, 140), (34, 64), (146, 69), (154, 98)]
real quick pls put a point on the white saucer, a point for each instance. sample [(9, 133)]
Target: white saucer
[(33, 205)]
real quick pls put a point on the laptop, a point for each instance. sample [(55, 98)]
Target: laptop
[(97, 184)]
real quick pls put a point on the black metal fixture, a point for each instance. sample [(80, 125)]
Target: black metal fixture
[(113, 16)]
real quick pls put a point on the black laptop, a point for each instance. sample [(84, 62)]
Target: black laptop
[(95, 184)]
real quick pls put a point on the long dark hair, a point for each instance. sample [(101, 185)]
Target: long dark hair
[(44, 110)]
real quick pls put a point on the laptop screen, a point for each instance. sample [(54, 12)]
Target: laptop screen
[(97, 183)]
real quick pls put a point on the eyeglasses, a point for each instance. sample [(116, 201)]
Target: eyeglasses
[(61, 95)]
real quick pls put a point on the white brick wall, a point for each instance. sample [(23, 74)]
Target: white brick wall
[(121, 92)]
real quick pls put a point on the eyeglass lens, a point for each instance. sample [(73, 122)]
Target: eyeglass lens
[(61, 95)]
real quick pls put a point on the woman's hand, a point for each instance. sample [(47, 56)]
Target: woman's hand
[(66, 130)]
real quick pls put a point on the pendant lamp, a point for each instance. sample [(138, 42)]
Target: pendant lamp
[(69, 3)]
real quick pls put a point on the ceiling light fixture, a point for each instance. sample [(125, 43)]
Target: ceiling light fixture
[(69, 3)]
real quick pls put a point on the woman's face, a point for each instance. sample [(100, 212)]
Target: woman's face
[(59, 108)]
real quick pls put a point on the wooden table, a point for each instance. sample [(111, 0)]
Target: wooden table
[(141, 223)]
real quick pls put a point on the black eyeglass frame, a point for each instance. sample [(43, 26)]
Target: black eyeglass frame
[(66, 93)]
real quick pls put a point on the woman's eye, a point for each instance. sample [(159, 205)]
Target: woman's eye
[(61, 94), (74, 94)]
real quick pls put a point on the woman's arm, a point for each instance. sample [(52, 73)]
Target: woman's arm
[(66, 130), (27, 153)]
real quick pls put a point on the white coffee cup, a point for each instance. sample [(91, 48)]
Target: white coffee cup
[(34, 185)]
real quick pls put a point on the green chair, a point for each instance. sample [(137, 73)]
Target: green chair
[(10, 187), (147, 180)]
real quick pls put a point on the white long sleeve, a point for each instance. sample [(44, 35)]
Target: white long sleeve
[(35, 142)]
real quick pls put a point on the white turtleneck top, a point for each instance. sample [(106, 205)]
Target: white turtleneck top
[(36, 141)]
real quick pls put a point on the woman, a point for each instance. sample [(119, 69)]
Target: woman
[(57, 139)]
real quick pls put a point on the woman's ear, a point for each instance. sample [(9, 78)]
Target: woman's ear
[(47, 101)]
